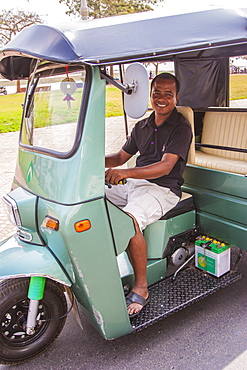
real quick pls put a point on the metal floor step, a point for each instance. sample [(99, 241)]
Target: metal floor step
[(169, 296)]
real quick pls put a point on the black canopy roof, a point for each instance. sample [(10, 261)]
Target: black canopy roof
[(144, 36)]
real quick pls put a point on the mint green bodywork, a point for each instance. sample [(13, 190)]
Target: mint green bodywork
[(19, 259), (73, 190), (81, 179), (221, 200), (94, 262), (158, 233)]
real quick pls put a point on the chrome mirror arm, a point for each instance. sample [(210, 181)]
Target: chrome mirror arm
[(126, 88)]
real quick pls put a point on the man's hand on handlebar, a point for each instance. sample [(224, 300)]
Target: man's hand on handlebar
[(115, 176)]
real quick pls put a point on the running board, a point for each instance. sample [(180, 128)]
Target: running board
[(172, 295)]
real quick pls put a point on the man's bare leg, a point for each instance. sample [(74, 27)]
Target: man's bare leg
[(137, 251)]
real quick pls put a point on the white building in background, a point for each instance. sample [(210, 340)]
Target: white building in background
[(238, 65)]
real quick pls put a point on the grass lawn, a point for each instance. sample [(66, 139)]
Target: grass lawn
[(238, 86), (113, 102), (11, 108), (10, 112)]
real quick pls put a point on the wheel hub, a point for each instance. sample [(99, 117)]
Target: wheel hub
[(14, 322)]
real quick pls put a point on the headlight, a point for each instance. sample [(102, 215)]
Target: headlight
[(11, 210)]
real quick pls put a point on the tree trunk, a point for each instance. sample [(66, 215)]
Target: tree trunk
[(111, 71), (18, 86), (157, 68)]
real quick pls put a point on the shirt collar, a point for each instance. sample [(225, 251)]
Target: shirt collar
[(172, 119)]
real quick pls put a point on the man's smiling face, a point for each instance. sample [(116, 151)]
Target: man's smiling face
[(163, 97)]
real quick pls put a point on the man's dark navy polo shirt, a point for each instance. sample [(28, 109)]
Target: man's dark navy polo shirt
[(172, 136)]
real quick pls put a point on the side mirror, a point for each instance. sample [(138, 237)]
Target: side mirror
[(136, 104)]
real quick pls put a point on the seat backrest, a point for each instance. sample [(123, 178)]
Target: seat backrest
[(226, 129), (188, 113)]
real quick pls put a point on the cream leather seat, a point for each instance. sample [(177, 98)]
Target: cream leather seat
[(225, 129), (188, 113)]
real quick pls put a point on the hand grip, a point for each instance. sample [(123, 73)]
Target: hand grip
[(122, 182)]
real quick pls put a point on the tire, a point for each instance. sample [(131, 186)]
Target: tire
[(15, 345)]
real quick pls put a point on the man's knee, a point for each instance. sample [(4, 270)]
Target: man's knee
[(137, 228)]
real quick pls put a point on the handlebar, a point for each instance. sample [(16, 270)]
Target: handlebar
[(120, 182)]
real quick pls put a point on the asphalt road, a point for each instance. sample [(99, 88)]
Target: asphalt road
[(208, 335)]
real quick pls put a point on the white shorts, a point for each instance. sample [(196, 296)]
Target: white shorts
[(144, 200)]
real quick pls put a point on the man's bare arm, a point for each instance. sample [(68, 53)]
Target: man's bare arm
[(117, 159), (151, 171)]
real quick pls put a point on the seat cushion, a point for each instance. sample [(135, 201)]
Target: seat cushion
[(221, 164), (185, 204)]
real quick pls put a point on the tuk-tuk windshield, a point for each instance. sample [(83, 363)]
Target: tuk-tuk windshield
[(52, 107)]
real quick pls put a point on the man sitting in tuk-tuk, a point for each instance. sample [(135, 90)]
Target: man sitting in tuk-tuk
[(154, 185)]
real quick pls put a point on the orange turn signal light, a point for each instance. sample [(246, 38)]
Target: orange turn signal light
[(50, 223), (82, 225)]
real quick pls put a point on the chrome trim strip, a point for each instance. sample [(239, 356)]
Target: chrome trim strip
[(11, 202), (24, 236)]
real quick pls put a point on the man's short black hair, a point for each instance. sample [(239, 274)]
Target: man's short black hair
[(166, 76)]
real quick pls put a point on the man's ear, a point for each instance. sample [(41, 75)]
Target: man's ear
[(177, 97)]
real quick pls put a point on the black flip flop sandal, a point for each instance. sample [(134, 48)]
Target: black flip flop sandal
[(133, 297)]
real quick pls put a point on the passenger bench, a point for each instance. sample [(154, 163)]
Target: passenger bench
[(224, 128)]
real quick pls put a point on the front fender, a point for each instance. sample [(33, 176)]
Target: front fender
[(19, 259)]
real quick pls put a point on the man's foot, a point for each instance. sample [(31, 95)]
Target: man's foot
[(135, 301)]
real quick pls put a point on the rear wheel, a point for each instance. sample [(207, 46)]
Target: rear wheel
[(15, 345)]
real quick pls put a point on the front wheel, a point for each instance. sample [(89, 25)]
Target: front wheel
[(15, 345)]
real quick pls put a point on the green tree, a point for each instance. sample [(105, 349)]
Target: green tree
[(106, 8), (12, 22)]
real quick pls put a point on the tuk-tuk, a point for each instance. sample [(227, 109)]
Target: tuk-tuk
[(69, 252)]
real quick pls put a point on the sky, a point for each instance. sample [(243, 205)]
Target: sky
[(49, 10), (54, 12)]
